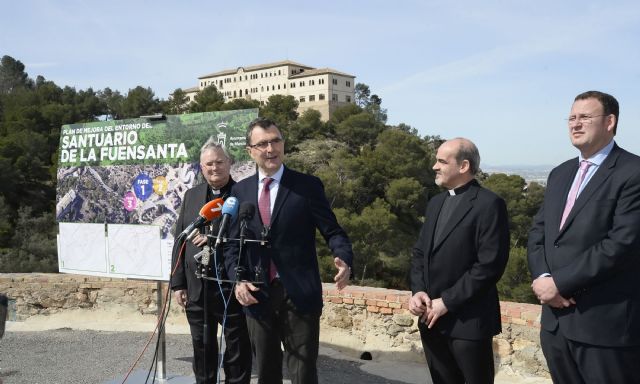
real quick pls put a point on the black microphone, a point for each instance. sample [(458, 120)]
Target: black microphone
[(229, 210), (247, 210), (246, 213)]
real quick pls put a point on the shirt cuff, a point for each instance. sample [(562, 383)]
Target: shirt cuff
[(544, 275)]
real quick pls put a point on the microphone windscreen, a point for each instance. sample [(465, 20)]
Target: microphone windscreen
[(212, 209), (247, 210), (230, 207)]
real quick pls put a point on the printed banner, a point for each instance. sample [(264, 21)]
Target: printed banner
[(136, 171)]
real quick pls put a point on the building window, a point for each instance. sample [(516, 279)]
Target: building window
[(302, 99), (278, 72), (335, 81), (278, 86), (311, 82), (347, 99), (284, 85), (321, 81), (312, 97), (334, 97), (293, 85), (321, 96), (302, 83), (348, 83)]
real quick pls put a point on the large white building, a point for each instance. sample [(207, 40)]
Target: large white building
[(323, 89)]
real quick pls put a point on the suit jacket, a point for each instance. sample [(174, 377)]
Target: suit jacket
[(464, 265), (595, 258), (185, 274), (300, 207)]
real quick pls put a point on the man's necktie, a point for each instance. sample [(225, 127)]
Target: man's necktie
[(573, 194), (264, 206)]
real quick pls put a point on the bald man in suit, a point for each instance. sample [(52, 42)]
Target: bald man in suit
[(459, 257)]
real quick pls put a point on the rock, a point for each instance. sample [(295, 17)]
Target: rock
[(394, 329), (403, 320)]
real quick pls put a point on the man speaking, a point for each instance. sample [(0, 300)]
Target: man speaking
[(287, 307)]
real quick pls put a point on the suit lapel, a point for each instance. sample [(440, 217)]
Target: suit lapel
[(559, 195), (604, 171), (461, 211), (253, 188), (432, 219), (283, 191), (202, 192)]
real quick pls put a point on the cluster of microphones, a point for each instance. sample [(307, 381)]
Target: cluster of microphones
[(216, 208)]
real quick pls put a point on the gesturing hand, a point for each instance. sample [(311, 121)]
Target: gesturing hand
[(342, 277)]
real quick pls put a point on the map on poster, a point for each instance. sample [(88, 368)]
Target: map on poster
[(121, 184)]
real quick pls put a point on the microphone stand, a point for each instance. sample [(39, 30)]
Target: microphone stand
[(204, 274), (239, 269)]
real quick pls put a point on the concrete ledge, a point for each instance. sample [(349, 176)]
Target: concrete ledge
[(354, 320)]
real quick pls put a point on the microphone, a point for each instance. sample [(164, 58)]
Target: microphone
[(208, 212), (247, 210), (229, 210)]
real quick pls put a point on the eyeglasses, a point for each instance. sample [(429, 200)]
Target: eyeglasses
[(264, 144), (582, 119)]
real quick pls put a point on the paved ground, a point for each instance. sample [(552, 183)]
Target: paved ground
[(68, 356), (64, 349)]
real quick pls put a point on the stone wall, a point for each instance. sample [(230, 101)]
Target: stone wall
[(378, 321), (355, 320)]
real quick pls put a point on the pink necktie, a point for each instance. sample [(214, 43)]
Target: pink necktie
[(584, 167), (264, 206)]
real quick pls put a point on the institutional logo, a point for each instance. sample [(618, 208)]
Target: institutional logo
[(222, 137)]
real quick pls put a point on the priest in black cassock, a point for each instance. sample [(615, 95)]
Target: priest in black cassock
[(459, 257)]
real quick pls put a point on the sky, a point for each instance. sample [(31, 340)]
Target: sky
[(501, 73)]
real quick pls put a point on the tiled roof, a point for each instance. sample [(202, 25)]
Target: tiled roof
[(319, 71), (255, 68)]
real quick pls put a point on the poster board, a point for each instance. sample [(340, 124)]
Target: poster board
[(121, 185)]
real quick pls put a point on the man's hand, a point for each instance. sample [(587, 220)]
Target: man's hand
[(420, 305), (342, 277), (181, 297), (546, 291), (438, 309), (199, 240), (243, 293)]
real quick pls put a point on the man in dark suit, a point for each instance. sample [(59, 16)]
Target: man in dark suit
[(584, 253), (286, 307), (190, 290), (459, 257)]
